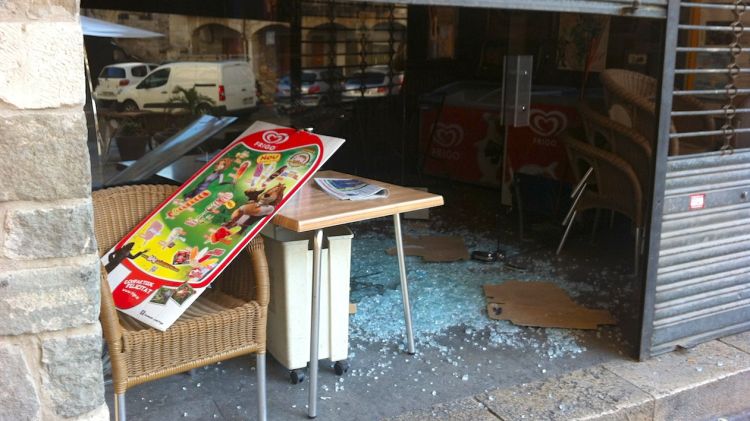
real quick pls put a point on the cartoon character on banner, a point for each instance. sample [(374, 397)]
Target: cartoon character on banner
[(216, 174), (259, 206)]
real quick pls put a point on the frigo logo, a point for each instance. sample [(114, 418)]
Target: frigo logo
[(547, 124), (275, 138), (448, 135)]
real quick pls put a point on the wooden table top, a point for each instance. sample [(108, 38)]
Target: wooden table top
[(312, 208)]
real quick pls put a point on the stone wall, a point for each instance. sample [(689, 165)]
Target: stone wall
[(50, 340)]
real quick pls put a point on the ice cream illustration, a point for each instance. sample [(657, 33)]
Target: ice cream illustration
[(257, 174), (152, 230)]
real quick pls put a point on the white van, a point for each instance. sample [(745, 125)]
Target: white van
[(224, 86)]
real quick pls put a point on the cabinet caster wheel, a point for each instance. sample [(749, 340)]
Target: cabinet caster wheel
[(296, 376), (341, 367)]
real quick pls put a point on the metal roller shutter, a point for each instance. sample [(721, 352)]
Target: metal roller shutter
[(698, 278)]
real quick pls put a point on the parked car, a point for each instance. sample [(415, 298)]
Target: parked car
[(114, 77), (221, 87), (375, 81), (319, 86)]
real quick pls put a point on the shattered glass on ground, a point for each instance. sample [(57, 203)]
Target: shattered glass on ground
[(448, 295)]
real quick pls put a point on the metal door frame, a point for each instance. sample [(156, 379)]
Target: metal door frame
[(660, 174)]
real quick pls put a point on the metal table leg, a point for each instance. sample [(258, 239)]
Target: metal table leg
[(404, 282), (312, 400)]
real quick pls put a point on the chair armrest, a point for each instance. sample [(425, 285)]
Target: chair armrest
[(112, 332), (108, 314)]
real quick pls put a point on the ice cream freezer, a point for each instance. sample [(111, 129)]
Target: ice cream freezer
[(468, 142)]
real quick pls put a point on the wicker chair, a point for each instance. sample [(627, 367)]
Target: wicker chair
[(615, 186), (624, 142), (631, 101), (228, 320)]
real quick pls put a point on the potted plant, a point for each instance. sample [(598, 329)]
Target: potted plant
[(182, 108), (191, 101), (131, 139)]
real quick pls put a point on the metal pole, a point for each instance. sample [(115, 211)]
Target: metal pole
[(260, 368), (120, 406), (312, 404), (404, 283), (567, 231)]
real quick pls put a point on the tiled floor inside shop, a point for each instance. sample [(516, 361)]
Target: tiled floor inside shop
[(460, 351)]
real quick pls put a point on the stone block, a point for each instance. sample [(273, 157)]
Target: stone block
[(73, 368), (593, 393), (38, 9), (710, 379), (461, 410), (38, 300), (49, 232), (41, 64), (43, 156), (18, 397)]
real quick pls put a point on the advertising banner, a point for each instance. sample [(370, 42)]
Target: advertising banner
[(163, 265)]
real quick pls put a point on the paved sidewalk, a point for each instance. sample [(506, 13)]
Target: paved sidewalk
[(710, 381)]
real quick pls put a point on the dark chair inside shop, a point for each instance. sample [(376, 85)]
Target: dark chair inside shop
[(227, 320), (631, 101), (606, 182), (622, 141)]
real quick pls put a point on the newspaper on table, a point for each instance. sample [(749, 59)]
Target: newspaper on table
[(351, 189), (165, 262)]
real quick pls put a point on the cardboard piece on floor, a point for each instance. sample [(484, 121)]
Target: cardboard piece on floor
[(434, 249), (352, 308), (540, 304)]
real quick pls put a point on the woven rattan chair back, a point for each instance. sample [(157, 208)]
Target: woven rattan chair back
[(614, 186), (622, 141), (630, 98), (631, 101)]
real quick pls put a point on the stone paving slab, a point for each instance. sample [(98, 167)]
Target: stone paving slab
[(740, 341), (203, 409), (710, 379), (705, 382), (468, 409), (594, 393)]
